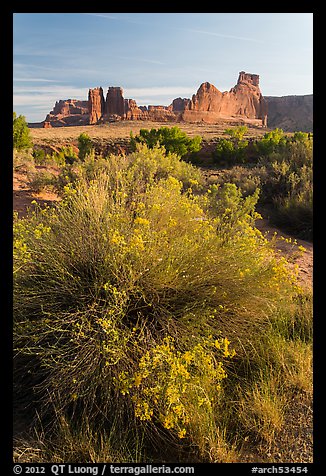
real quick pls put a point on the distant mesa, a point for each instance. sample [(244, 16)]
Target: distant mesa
[(243, 102), (291, 113)]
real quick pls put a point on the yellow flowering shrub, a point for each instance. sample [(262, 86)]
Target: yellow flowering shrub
[(123, 288), (170, 384)]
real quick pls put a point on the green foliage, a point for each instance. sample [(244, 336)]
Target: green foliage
[(21, 135), (67, 155), (85, 146), (288, 185), (237, 132), (283, 173), (230, 151), (232, 210), (272, 141), (233, 150), (173, 139), (245, 178), (39, 156)]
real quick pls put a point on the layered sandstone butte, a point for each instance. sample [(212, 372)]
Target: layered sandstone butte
[(243, 102)]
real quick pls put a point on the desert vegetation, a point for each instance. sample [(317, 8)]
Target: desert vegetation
[(152, 320), (280, 166)]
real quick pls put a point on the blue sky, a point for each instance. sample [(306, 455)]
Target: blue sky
[(156, 57)]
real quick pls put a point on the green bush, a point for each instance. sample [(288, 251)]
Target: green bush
[(85, 146), (237, 132), (230, 151), (272, 141), (21, 135), (283, 173), (234, 150), (39, 155), (246, 179), (288, 185), (173, 139)]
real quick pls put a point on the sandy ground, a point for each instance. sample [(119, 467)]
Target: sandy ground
[(23, 195), (285, 244)]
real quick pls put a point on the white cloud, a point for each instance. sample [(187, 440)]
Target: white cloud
[(37, 80)]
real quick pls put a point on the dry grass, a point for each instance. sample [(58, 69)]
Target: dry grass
[(120, 130)]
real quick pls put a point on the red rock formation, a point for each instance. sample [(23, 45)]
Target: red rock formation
[(179, 104), (68, 107), (161, 113), (142, 113), (243, 101), (133, 112), (69, 112), (115, 102), (46, 125), (95, 105)]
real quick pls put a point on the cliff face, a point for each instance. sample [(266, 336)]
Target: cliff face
[(291, 113), (244, 101)]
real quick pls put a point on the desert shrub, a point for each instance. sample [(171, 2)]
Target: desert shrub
[(288, 186), (21, 135), (173, 139), (41, 179), (23, 161), (294, 213), (144, 166), (39, 155), (237, 132), (284, 175), (130, 284), (230, 151), (233, 212), (233, 150), (246, 179), (85, 146), (66, 155)]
